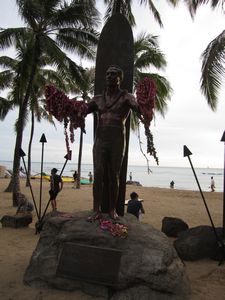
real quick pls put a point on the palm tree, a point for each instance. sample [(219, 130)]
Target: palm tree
[(147, 54), (124, 7), (44, 77), (51, 25), (213, 57), (213, 69), (85, 90)]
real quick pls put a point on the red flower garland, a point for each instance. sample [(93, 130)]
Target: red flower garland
[(69, 111), (146, 94)]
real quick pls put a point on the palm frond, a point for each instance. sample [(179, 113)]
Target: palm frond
[(5, 107), (77, 14), (193, 5), (120, 6), (65, 66), (8, 37), (213, 69), (154, 11), (7, 62), (6, 79), (147, 52), (81, 41)]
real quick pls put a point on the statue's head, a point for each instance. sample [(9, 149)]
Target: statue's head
[(114, 71)]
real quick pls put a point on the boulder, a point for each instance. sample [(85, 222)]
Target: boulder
[(149, 266), (197, 243), (17, 221), (172, 226)]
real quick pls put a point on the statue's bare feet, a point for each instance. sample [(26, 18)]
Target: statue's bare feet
[(113, 215), (95, 216)]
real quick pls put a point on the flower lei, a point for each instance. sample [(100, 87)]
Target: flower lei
[(146, 94), (69, 111), (115, 229)]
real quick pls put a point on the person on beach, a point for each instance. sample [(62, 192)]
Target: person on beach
[(212, 185), (130, 176), (75, 179), (135, 206), (113, 108), (56, 185), (90, 177), (172, 184)]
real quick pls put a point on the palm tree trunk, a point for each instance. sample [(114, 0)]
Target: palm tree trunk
[(14, 185), (15, 180), (79, 159), (29, 148)]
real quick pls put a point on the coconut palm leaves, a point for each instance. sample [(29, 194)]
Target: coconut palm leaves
[(213, 69), (193, 5), (147, 56), (52, 27), (124, 7), (213, 57)]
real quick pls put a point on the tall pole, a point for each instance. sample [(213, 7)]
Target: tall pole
[(43, 141), (187, 153), (223, 140)]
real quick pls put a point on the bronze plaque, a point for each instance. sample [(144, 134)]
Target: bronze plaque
[(89, 263)]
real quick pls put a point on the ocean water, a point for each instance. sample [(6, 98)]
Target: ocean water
[(159, 177)]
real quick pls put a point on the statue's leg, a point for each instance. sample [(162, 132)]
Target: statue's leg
[(117, 151), (98, 158)]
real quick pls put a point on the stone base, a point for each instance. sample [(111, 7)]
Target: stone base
[(149, 265), (17, 221)]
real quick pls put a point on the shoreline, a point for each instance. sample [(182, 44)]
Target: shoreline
[(17, 245), (160, 176)]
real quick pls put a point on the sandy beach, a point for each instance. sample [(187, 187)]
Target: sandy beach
[(206, 277)]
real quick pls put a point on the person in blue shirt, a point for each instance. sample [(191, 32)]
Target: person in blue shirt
[(135, 206)]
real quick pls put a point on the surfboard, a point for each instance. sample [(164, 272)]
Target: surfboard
[(116, 47)]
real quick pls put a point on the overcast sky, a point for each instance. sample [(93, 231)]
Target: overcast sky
[(189, 120)]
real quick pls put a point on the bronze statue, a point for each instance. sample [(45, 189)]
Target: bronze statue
[(113, 108)]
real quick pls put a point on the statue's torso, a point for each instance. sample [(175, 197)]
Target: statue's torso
[(113, 111)]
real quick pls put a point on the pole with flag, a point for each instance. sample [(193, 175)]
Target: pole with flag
[(43, 141)]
